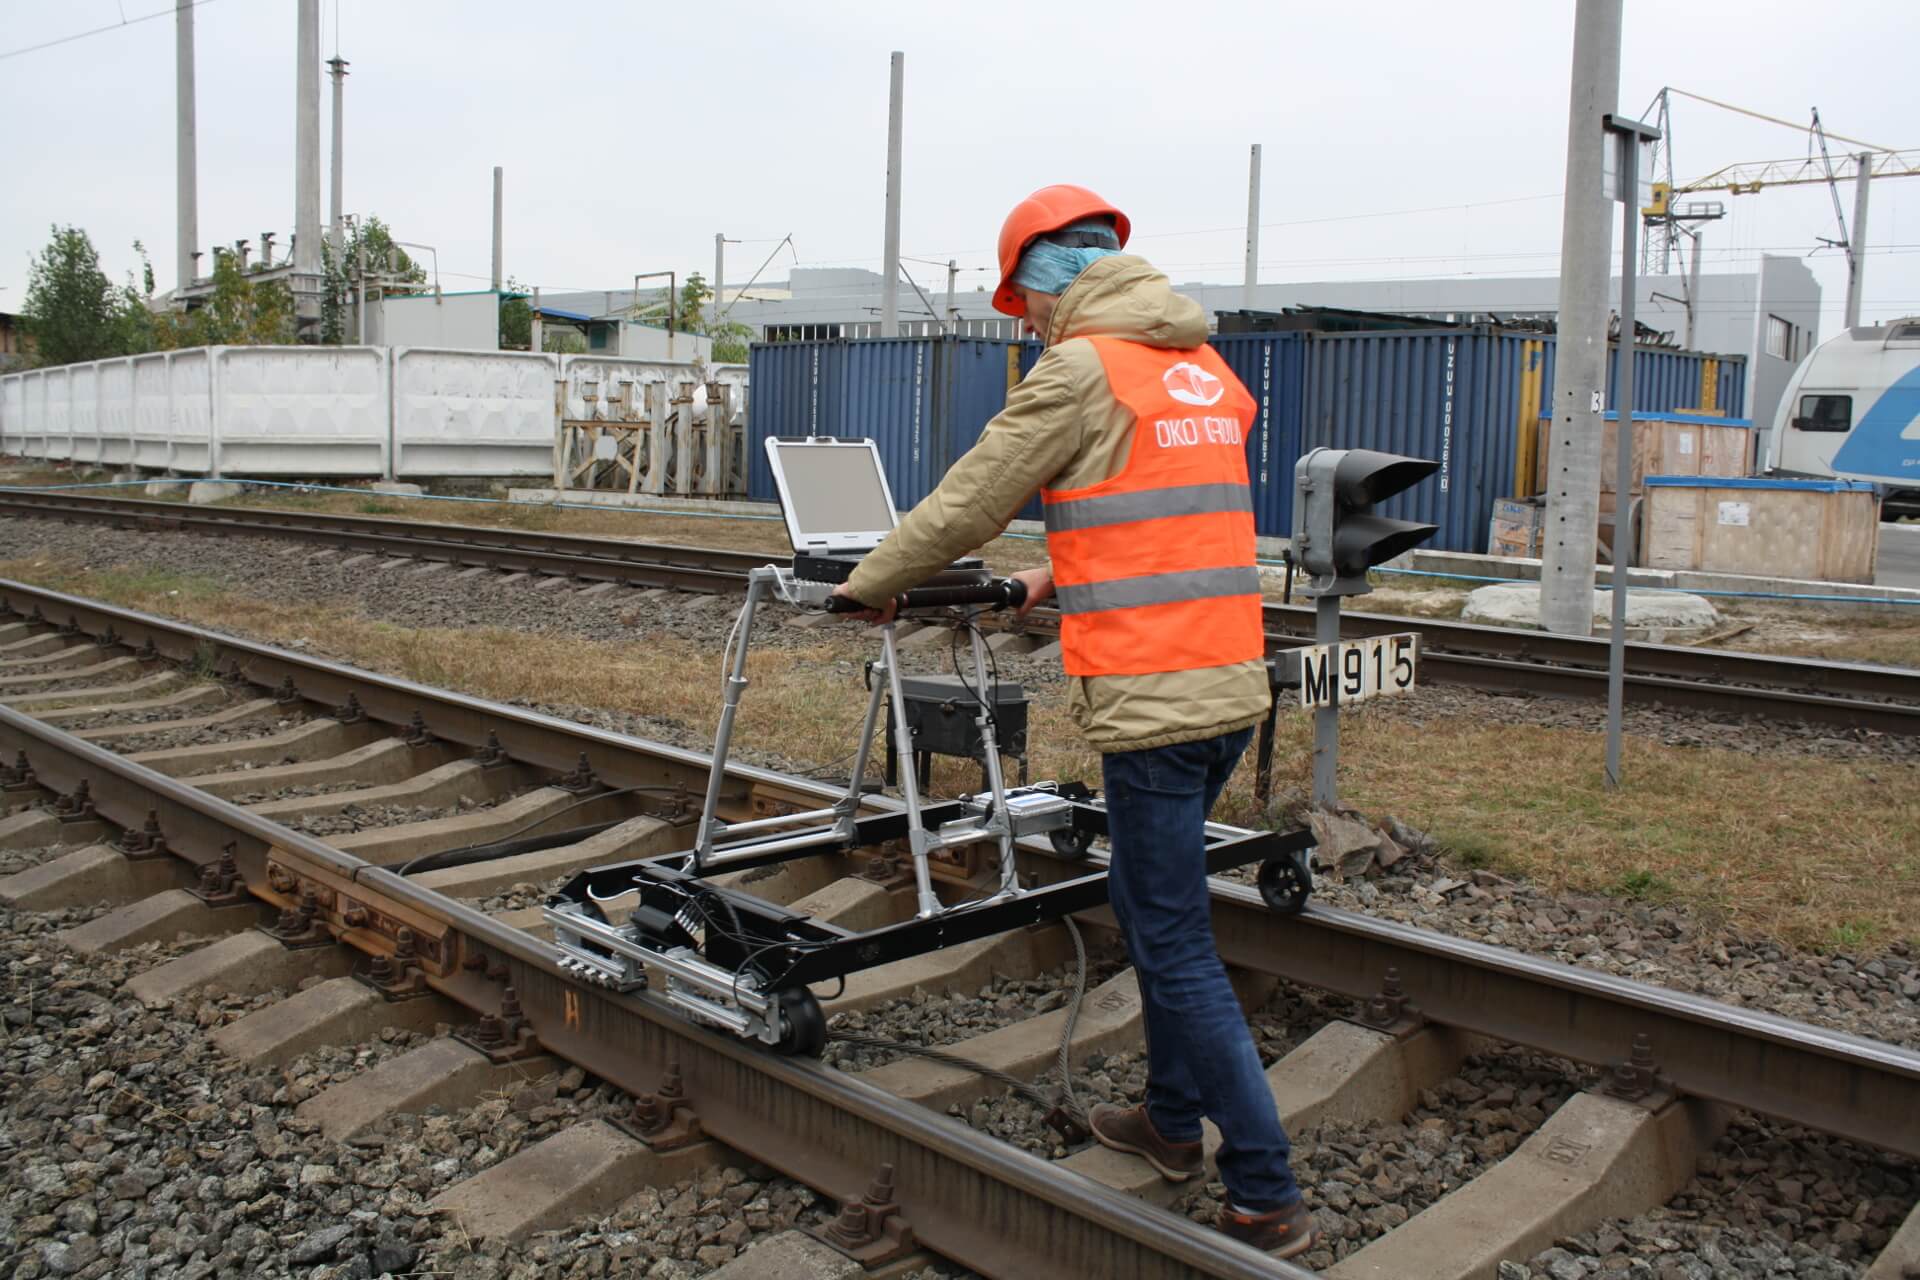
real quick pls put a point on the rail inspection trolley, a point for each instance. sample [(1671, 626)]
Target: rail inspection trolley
[(725, 958)]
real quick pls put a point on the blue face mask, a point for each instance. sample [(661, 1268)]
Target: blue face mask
[(1049, 267)]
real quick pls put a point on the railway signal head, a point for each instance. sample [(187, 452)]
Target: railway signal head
[(1337, 536)]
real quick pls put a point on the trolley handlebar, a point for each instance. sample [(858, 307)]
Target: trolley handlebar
[(1001, 593)]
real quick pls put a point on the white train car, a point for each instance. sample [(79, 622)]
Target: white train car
[(1852, 411)]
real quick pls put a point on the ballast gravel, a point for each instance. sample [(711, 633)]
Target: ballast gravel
[(130, 1148)]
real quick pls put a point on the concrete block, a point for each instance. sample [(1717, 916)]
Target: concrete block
[(95, 873), (552, 584), (1595, 1159), (597, 589), (441, 1072), (966, 966), (162, 488), (242, 964), (577, 1173), (1518, 604), (1900, 1260), (1048, 652), (397, 488), (381, 761), (1343, 1072), (1109, 1018), (790, 1256), (203, 492), (635, 838), (436, 788), (312, 740), (852, 903), (164, 917), (1015, 642), (338, 1011)]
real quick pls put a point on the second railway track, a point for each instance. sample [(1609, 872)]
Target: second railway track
[(1844, 695), (172, 830)]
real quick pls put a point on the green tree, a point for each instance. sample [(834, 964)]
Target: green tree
[(562, 342), (691, 315), (240, 312), (516, 318), (730, 342), (388, 267), (72, 311)]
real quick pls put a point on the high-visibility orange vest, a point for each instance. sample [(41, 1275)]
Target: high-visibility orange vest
[(1153, 568)]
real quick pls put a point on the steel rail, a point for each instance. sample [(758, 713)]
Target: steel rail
[(568, 556), (1845, 695), (1679, 662), (966, 1195), (1795, 1071)]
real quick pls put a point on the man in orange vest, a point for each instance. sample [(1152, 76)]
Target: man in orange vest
[(1132, 430)]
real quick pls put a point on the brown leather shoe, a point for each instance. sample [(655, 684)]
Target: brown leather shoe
[(1282, 1233), (1128, 1129)]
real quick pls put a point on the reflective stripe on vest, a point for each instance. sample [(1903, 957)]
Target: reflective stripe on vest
[(1154, 567), (1151, 504)]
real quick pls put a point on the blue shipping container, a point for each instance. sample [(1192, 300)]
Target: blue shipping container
[(1664, 380), (1450, 395), (909, 395)]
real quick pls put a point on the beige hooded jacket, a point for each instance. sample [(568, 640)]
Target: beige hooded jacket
[(1063, 427)]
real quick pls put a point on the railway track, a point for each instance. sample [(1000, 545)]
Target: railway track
[(1844, 695), (149, 744)]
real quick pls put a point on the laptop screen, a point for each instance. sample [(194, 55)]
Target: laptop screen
[(832, 492)]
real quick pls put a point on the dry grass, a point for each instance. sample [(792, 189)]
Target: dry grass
[(737, 533), (1814, 852)]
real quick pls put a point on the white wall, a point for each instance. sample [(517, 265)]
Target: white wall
[(315, 412), (450, 321)]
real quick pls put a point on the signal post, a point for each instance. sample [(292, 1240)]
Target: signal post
[(1337, 537)]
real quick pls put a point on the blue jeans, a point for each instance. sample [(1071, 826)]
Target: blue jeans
[(1200, 1055)]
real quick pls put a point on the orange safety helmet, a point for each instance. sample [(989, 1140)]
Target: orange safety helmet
[(1048, 209)]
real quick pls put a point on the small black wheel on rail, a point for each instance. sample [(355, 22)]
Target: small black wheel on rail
[(1070, 842), (1286, 883), (803, 1025)]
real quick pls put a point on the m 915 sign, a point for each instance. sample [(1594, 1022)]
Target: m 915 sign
[(1355, 670)]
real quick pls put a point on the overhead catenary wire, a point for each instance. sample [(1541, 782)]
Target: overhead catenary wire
[(125, 21)]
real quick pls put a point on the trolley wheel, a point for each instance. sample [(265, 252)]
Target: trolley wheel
[(803, 1027), (1070, 842), (1286, 883)]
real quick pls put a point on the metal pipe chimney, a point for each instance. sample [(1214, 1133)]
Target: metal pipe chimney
[(186, 169), (336, 225), (306, 171), (499, 180)]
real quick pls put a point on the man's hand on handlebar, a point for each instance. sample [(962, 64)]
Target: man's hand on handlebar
[(878, 617), (1039, 585)]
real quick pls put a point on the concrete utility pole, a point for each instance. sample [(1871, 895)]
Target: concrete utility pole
[(719, 277), (306, 170), (336, 224), (890, 292), (1253, 231), (499, 183), (953, 309), (1857, 239), (1580, 364), (186, 178)]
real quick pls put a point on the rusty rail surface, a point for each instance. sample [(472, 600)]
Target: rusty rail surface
[(1826, 1080), (1845, 695)]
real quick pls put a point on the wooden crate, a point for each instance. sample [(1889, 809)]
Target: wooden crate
[(1516, 527), (1822, 530), (1677, 443)]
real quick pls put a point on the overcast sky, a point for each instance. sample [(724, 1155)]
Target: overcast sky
[(1400, 139)]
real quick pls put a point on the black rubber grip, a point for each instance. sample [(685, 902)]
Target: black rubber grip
[(1001, 593)]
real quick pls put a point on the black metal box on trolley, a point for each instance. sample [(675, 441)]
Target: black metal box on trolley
[(940, 712)]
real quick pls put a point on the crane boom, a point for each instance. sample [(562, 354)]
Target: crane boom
[(1745, 179)]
